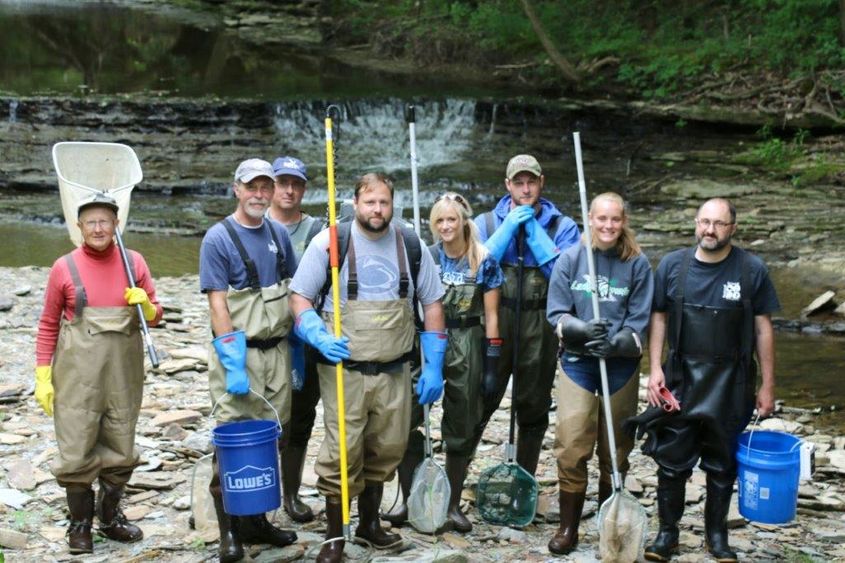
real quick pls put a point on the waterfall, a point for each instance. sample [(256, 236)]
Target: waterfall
[(13, 111)]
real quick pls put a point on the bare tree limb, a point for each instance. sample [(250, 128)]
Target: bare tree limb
[(570, 73)]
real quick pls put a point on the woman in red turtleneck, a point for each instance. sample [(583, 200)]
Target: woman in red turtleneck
[(90, 369)]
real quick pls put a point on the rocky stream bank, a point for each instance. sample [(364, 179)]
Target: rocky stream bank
[(173, 436)]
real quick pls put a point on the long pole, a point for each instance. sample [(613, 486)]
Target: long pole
[(334, 262), (410, 117), (145, 330), (591, 265)]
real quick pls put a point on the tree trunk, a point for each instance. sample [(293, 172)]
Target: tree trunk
[(566, 68)]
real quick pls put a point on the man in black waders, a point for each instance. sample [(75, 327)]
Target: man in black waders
[(377, 295), (547, 232), (90, 369), (286, 208), (245, 267), (712, 305)]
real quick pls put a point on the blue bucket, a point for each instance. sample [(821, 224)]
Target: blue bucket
[(769, 465), (248, 456)]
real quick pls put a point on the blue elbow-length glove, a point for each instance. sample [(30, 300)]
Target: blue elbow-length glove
[(310, 328), (297, 361), (430, 385), (498, 241), (542, 247), (231, 349)]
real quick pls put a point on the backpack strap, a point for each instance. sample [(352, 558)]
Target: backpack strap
[(747, 344), (489, 223), (281, 263), (317, 225), (434, 250)]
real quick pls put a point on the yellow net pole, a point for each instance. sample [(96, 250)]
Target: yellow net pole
[(334, 262)]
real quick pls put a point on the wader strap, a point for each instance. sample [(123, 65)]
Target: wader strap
[(352, 282), (264, 344), (251, 270), (79, 289), (679, 298), (403, 271), (747, 310), (465, 322), (249, 264)]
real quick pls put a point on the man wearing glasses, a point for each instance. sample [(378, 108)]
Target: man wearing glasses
[(524, 214), (246, 263), (89, 337), (712, 305)]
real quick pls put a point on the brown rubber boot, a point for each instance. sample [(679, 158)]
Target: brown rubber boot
[(369, 526), (80, 502), (566, 537), (332, 551), (456, 469), (113, 523), (293, 461)]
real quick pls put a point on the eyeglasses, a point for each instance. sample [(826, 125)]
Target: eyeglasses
[(101, 223), (451, 196), (706, 223)]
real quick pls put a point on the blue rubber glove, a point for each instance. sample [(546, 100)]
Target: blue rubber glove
[(542, 247), (497, 242), (297, 361), (231, 350), (310, 328), (430, 385)]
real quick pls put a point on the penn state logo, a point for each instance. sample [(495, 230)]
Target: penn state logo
[(731, 291), (249, 478)]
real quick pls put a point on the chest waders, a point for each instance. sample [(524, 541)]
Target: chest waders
[(377, 392)]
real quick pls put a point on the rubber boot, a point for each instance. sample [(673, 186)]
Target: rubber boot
[(80, 503), (293, 461), (257, 529), (413, 456), (230, 549), (566, 537), (113, 523), (528, 446), (716, 507), (605, 492), (670, 509), (369, 526), (332, 551), (456, 470)]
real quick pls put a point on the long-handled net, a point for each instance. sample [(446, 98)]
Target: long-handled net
[(428, 503)]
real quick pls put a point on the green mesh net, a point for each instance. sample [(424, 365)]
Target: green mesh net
[(507, 495)]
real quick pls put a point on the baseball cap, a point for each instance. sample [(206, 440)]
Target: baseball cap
[(523, 163), (99, 199), (250, 169), (290, 166)]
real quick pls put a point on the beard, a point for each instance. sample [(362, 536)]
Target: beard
[(369, 227), (710, 245)]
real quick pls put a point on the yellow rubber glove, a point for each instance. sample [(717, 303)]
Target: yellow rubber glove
[(137, 296), (44, 388)]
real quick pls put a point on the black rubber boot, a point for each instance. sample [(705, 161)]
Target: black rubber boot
[(332, 551), (716, 507), (369, 526), (605, 492), (528, 446), (113, 523), (414, 455), (670, 508), (80, 503), (456, 470), (566, 537), (230, 549), (293, 461), (256, 529)]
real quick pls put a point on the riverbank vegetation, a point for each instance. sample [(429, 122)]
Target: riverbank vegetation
[(776, 56)]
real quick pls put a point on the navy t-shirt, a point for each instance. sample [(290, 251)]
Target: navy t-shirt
[(221, 266), (715, 285)]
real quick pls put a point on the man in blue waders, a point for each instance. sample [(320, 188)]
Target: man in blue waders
[(246, 263), (377, 295), (89, 339), (712, 305), (547, 233), (286, 208)]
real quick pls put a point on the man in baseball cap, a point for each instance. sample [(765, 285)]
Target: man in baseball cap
[(252, 168)]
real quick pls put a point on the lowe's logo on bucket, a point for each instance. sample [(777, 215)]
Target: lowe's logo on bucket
[(250, 478)]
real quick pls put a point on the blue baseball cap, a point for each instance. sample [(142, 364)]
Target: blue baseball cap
[(290, 166)]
